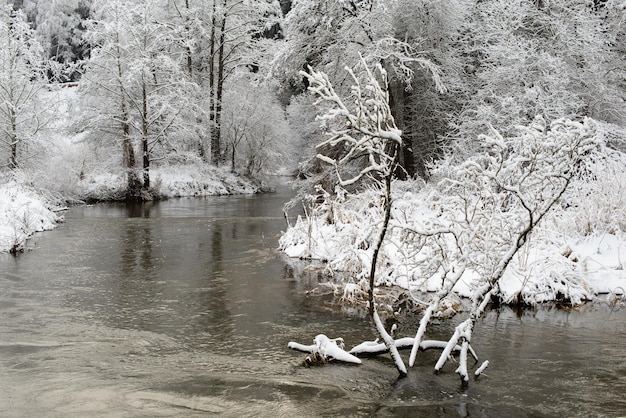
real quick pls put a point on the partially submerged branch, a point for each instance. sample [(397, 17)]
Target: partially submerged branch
[(389, 343), (326, 349), (375, 348)]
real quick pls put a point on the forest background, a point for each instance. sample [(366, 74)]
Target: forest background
[(163, 82)]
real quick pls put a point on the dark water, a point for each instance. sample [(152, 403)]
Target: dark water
[(185, 308)]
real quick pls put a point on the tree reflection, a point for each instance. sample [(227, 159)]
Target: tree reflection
[(214, 314), (134, 291)]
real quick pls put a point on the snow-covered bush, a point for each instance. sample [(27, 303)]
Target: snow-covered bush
[(599, 194), (482, 229), (473, 215)]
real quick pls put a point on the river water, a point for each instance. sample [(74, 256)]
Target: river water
[(185, 308)]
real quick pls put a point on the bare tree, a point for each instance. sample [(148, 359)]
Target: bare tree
[(22, 77)]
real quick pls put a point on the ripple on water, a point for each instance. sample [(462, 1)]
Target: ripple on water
[(161, 316)]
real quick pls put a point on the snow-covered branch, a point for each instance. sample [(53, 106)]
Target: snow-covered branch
[(368, 125), (325, 349)]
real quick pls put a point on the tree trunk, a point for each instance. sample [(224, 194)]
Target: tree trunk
[(216, 133), (188, 48), (128, 152), (389, 342), (381, 238), (212, 96), (397, 103), (130, 164), (144, 139), (13, 140)]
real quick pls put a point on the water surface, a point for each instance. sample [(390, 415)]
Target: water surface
[(185, 308)]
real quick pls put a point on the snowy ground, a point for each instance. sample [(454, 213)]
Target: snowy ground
[(172, 181)]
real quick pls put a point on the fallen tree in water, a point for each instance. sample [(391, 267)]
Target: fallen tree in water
[(325, 350)]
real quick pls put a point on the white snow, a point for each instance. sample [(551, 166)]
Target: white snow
[(23, 212), (375, 347), (189, 180), (328, 349)]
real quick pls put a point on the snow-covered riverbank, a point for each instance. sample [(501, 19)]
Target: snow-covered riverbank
[(196, 180), (23, 212), (68, 169), (576, 253), (25, 209), (560, 264)]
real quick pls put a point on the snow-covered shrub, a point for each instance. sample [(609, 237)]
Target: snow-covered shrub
[(597, 200), (464, 224)]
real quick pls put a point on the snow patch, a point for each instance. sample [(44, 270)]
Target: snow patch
[(23, 212)]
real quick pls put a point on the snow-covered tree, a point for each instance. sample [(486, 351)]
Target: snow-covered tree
[(364, 129), (239, 44), (256, 133), (329, 35), (483, 211), (106, 73), (525, 59), (425, 94), (455, 65), (143, 95), (59, 26), (489, 207), (23, 68), (326, 35)]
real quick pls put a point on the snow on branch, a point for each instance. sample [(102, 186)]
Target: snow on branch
[(325, 349), (374, 348), (403, 56), (368, 124), (389, 343)]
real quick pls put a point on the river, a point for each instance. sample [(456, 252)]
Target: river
[(185, 308)]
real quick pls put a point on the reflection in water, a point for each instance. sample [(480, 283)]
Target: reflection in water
[(138, 210), (216, 315), (136, 257), (184, 308)]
